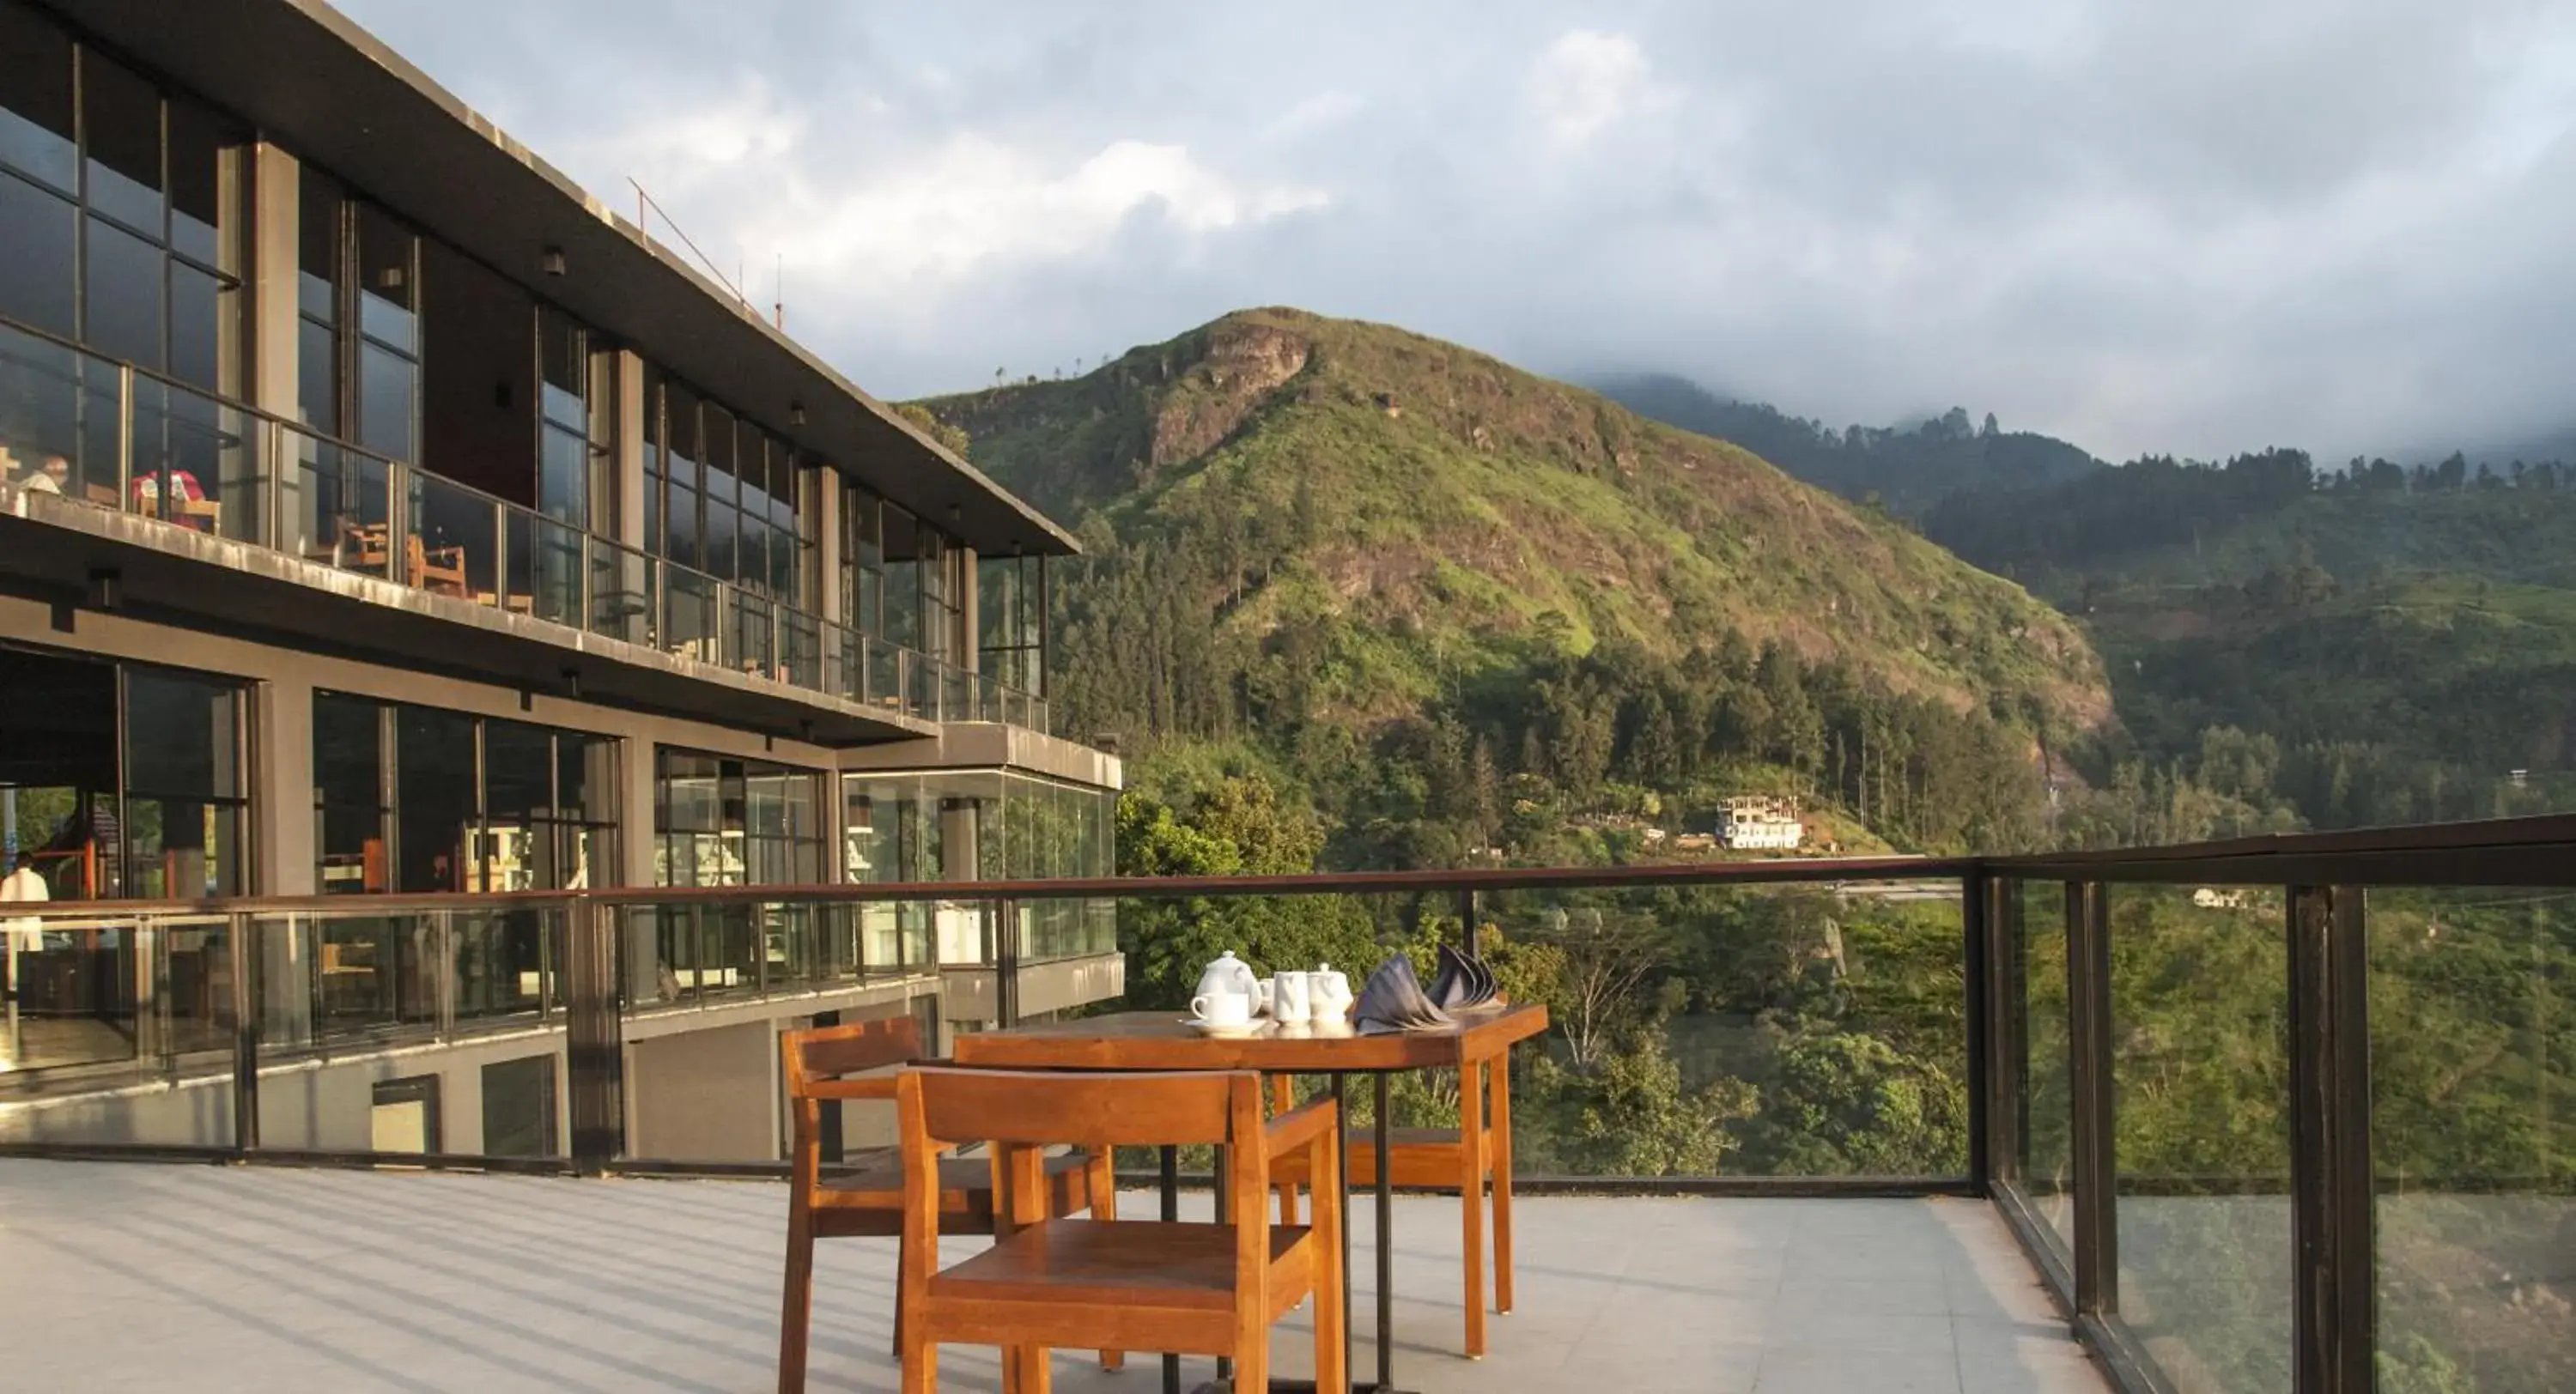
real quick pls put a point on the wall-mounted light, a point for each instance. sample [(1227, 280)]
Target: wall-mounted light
[(795, 413), (106, 589), (390, 278), (553, 261), (572, 683)]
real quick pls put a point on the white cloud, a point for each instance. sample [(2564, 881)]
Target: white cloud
[(1320, 112), (974, 205), (1585, 82)]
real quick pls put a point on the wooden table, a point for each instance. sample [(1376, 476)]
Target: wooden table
[(1165, 1041)]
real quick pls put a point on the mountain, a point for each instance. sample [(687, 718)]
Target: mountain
[(1360, 550), (2401, 640), (1908, 470)]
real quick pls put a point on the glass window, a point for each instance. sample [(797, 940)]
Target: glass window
[(318, 251), (519, 1108), (121, 126), (563, 486), (388, 389), (434, 797), (518, 770), (203, 308), (317, 374), (716, 442), (902, 603), (387, 271), (122, 282), (179, 734), (682, 466), (36, 276), (36, 98), (348, 759), (202, 151)]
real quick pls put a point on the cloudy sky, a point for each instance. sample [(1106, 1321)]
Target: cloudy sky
[(2187, 225)]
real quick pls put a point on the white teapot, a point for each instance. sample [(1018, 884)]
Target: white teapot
[(1329, 992), (1232, 975)]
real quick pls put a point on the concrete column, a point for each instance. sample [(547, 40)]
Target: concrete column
[(287, 840), (970, 617), (636, 841), (822, 486), (630, 449), (276, 240)]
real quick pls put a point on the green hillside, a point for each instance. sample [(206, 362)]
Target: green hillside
[(2372, 645), (1441, 517)]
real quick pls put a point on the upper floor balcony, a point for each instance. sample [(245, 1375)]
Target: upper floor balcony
[(155, 494)]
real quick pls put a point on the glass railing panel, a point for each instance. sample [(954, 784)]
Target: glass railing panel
[(88, 1057), (956, 693), (923, 700), (503, 966), (621, 591), (751, 634), (2472, 1006), (1715, 1030), (336, 504), (885, 675), (2200, 1073), (372, 976), (544, 567), (2044, 1155), (50, 399), (691, 618), (800, 648), (196, 463), (453, 547)]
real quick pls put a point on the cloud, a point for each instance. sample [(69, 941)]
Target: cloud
[(2194, 226)]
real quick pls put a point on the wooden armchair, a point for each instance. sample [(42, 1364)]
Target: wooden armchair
[(867, 1200), (1464, 1159), (1204, 1289)]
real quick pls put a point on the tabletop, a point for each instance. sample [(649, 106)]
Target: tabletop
[(1166, 1041)]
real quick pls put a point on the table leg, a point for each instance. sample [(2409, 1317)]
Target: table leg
[(1171, 1178), (1385, 1246)]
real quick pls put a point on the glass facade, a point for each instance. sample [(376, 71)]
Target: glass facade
[(125, 215), (721, 495), (1010, 625), (150, 806), (992, 825), (412, 799)]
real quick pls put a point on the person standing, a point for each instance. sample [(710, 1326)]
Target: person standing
[(22, 886)]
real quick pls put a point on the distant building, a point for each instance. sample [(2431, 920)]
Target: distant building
[(1760, 823), (2208, 898)]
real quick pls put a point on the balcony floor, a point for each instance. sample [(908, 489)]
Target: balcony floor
[(203, 1278)]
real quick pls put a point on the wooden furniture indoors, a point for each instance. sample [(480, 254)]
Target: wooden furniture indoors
[(1464, 1159), (1207, 1289), (868, 1200)]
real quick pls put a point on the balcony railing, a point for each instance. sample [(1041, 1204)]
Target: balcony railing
[(147, 445), (2279, 1114)]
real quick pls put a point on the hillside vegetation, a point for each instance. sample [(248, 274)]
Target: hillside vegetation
[(1431, 591)]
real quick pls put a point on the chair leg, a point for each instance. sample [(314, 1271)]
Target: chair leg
[(1252, 1362), (902, 1250), (921, 1369), (796, 1308), (1037, 1375), (1288, 1204), (1103, 1186), (1331, 1317), (1471, 1198)]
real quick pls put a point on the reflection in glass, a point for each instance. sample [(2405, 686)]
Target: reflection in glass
[(37, 282), (2046, 1160), (36, 98), (121, 298), (2472, 1007), (121, 123), (2200, 1066)]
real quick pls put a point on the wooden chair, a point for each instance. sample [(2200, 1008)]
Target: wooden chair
[(1463, 1159), (867, 1201), (1203, 1289)]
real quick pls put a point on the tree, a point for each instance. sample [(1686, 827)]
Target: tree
[(1607, 955)]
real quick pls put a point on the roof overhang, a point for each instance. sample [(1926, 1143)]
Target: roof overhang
[(328, 92)]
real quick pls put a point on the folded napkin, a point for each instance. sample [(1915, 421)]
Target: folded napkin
[(1463, 983), (1392, 1000)]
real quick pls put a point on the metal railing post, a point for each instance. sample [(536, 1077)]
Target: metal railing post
[(246, 998), (124, 437), (2332, 1212), (2095, 1165), (593, 1049), (1977, 949), (1471, 935)]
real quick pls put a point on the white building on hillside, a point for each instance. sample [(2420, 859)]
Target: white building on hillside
[(1760, 823)]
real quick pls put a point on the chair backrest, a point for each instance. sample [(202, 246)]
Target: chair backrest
[(1039, 1107), (825, 1052)]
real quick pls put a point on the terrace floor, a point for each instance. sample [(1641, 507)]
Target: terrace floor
[(144, 1276)]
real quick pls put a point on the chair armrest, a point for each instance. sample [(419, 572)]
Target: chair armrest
[(1302, 1127)]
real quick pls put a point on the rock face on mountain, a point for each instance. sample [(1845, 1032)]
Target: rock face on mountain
[(1442, 516)]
